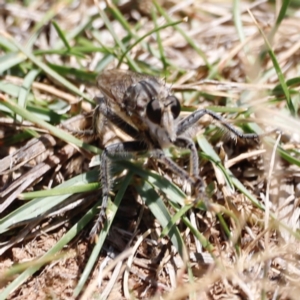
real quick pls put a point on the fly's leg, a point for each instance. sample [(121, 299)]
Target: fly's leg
[(192, 120), (112, 152), (103, 109), (198, 114), (120, 150), (102, 113), (78, 132), (193, 180), (188, 143)]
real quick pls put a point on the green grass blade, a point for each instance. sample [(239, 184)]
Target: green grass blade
[(24, 90), (210, 154), (16, 138), (230, 179), (159, 41), (76, 32), (118, 16), (6, 45), (51, 253), (61, 191), (61, 35), (280, 18), (139, 40), (245, 191), (9, 60), (11, 89), (172, 192), (49, 71), (130, 61), (160, 212), (78, 74), (39, 206), (111, 212), (181, 31), (237, 20), (204, 242), (65, 136), (279, 73), (180, 213)]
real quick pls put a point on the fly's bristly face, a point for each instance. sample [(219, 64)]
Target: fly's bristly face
[(143, 100), (162, 114)]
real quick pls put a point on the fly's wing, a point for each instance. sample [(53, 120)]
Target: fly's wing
[(114, 83)]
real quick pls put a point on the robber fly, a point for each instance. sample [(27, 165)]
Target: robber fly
[(143, 107)]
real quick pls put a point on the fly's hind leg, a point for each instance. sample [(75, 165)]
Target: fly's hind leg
[(112, 152)]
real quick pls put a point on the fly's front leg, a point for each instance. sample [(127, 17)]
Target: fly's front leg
[(111, 152), (198, 114), (193, 180), (188, 143)]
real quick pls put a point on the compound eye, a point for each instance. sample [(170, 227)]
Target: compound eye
[(153, 111), (175, 106)]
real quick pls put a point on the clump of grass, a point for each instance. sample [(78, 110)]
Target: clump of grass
[(247, 70)]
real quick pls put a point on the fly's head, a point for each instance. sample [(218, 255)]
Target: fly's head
[(162, 115), (156, 107), (142, 100)]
